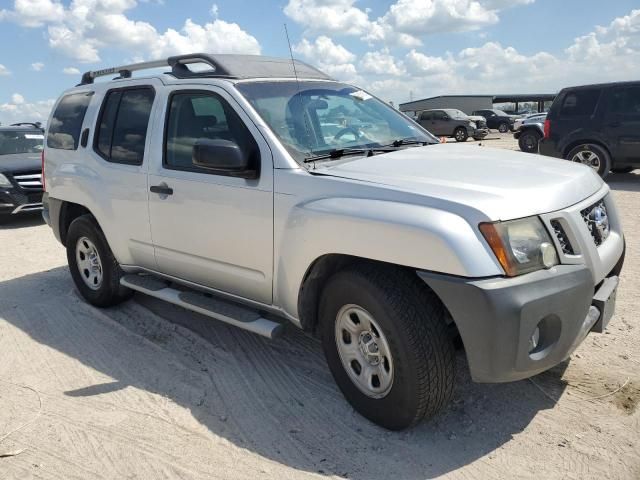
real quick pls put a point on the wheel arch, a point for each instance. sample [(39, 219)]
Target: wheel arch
[(574, 143), (69, 211)]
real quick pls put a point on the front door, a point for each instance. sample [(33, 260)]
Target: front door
[(622, 124), (207, 228)]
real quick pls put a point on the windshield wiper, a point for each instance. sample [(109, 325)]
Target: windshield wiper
[(407, 141), (341, 152)]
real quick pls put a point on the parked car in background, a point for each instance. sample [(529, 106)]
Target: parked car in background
[(20, 168), (597, 125), (452, 123), (497, 119), (529, 132), (220, 191)]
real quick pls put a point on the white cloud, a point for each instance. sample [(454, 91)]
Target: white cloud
[(34, 13), (404, 23), (329, 16), (18, 109), (381, 63), (81, 30), (4, 70), (71, 71), (331, 58), (37, 66)]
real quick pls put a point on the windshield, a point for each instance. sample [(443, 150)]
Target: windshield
[(20, 141), (313, 118)]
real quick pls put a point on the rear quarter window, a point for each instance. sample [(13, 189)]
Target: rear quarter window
[(66, 123), (580, 103)]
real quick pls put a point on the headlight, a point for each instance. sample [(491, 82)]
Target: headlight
[(4, 181), (521, 246)]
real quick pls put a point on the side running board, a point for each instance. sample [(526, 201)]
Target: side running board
[(227, 312)]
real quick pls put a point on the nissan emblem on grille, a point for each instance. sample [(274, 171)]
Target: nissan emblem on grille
[(597, 221)]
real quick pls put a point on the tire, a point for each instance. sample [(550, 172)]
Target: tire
[(623, 170), (528, 141), (503, 127), (85, 235), (460, 134), (411, 329), (592, 155)]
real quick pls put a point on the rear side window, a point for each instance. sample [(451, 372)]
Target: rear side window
[(122, 127), (425, 116), (625, 101), (66, 123), (579, 103), (201, 115)]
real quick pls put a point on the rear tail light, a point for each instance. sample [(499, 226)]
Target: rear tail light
[(547, 129), (44, 188)]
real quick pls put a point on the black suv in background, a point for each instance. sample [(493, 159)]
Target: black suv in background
[(497, 120), (597, 125), (20, 168)]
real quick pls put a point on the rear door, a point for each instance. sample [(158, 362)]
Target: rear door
[(212, 229), (425, 120), (622, 123), (441, 123)]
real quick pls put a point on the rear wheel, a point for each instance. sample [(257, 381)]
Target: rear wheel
[(593, 156), (528, 141), (461, 134), (93, 267), (386, 342), (503, 127)]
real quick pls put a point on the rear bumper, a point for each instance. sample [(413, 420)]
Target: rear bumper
[(497, 318), (549, 148)]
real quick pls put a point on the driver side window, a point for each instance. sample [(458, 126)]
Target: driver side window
[(194, 116)]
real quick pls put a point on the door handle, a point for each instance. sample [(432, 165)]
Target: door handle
[(162, 189)]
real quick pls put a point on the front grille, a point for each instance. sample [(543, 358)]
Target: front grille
[(597, 222), (563, 240), (29, 180)]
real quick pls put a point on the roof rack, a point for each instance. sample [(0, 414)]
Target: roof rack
[(27, 124), (222, 66)]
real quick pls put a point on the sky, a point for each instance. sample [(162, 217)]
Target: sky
[(397, 49)]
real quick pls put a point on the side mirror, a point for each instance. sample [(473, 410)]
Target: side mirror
[(223, 157)]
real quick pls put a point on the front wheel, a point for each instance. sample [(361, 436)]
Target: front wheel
[(461, 134), (592, 156), (386, 342), (528, 141), (93, 267)]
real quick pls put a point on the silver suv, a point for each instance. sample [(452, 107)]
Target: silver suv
[(260, 192)]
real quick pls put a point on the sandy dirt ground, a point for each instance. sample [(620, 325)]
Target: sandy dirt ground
[(149, 391)]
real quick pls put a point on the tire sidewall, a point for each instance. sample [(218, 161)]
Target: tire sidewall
[(503, 127), (398, 408), (465, 134), (522, 141), (85, 226), (605, 163)]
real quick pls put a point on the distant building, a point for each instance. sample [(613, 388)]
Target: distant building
[(471, 103)]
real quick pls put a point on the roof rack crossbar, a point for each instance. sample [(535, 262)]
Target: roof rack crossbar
[(178, 64)]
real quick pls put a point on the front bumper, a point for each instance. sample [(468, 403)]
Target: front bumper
[(497, 318), (479, 133), (13, 202)]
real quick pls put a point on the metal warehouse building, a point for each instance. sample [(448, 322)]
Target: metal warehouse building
[(471, 103)]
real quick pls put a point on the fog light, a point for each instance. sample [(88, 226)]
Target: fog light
[(534, 340), (549, 255)]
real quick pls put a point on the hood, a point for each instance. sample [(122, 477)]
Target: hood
[(18, 162), (501, 184)]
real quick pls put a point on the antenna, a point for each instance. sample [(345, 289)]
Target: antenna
[(295, 74)]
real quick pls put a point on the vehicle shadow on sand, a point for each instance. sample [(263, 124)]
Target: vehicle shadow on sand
[(274, 398), (32, 219), (628, 182)]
